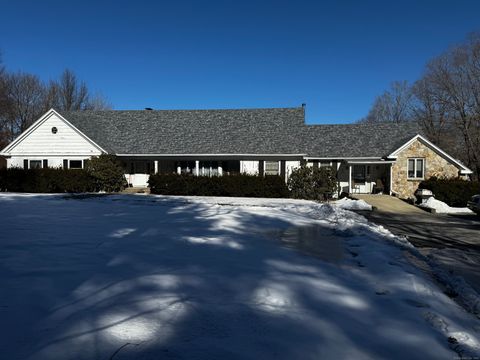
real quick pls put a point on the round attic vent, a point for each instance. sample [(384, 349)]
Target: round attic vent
[(54, 130)]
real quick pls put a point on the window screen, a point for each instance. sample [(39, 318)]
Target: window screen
[(35, 164), (271, 168), (411, 168), (419, 169), (359, 173)]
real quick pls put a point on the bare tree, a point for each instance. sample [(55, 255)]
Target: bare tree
[(429, 112), (25, 95), (70, 94), (98, 102), (455, 81), (445, 102), (393, 105), (4, 104), (24, 98)]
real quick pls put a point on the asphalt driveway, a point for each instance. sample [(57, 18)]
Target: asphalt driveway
[(454, 240)]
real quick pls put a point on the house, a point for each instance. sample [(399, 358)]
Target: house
[(366, 157)]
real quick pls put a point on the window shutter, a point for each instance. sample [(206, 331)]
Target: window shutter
[(65, 164), (261, 170), (283, 168), (45, 163), (25, 163)]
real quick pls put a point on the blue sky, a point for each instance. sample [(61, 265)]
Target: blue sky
[(334, 56)]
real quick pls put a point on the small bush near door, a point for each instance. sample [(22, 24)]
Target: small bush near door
[(454, 192), (232, 185), (312, 183), (107, 173)]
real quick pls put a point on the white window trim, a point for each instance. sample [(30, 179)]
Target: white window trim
[(265, 167), (415, 168), (70, 161), (30, 163)]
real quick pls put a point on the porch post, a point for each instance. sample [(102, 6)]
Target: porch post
[(390, 180), (155, 166), (179, 169), (197, 168), (338, 179), (349, 179), (220, 169)]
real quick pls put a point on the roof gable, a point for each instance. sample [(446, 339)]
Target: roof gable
[(463, 169), (39, 138)]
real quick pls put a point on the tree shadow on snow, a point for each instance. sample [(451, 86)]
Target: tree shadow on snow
[(170, 279)]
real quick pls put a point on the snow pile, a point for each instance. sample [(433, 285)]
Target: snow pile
[(350, 204), (441, 208)]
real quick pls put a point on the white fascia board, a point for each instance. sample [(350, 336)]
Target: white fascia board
[(39, 122), (463, 169), (49, 155), (342, 158), (371, 162)]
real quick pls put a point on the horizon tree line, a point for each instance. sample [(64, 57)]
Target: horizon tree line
[(24, 97), (445, 102)]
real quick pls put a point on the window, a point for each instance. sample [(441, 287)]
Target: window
[(271, 168), (325, 164), (416, 168), (35, 164), (45, 163), (75, 164)]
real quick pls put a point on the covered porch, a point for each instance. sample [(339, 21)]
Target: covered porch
[(139, 168), (365, 176)]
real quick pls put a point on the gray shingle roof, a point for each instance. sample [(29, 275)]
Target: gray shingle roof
[(242, 131), (358, 140), (247, 131)]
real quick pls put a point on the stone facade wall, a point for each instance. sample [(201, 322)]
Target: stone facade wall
[(435, 165)]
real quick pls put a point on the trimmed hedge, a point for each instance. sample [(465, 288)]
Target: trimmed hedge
[(241, 185), (454, 192), (49, 180)]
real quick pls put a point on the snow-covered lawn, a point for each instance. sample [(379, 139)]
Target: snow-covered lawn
[(145, 277)]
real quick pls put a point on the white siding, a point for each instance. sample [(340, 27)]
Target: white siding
[(66, 142), (249, 167)]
